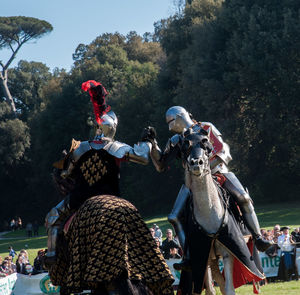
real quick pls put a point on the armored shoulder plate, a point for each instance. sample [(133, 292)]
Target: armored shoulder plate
[(117, 149), (212, 127), (80, 150)]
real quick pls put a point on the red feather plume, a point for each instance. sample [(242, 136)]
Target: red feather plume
[(97, 93)]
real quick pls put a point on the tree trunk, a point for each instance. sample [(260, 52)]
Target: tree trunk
[(8, 96)]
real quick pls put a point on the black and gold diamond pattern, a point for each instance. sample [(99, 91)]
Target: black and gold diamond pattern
[(106, 238)]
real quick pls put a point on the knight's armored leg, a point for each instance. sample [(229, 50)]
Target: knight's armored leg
[(54, 221), (176, 212), (233, 185), (174, 219), (51, 242)]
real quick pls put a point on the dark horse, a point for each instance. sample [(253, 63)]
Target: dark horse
[(210, 226), (108, 249)]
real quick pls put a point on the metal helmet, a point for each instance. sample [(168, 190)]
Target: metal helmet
[(108, 126), (178, 119)]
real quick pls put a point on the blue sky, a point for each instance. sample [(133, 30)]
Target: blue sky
[(77, 21)]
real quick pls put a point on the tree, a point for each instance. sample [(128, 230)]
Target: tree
[(238, 67), (27, 82), (14, 32), (14, 138)]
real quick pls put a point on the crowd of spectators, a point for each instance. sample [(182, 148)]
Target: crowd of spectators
[(282, 239), (31, 228), (22, 264), (284, 246), (169, 247), (15, 223)]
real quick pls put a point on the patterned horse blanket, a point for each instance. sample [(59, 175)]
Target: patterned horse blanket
[(107, 239)]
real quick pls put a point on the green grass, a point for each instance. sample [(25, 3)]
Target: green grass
[(18, 240), (284, 214), (279, 288)]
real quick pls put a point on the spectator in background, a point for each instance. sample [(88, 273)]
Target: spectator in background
[(276, 230), (11, 252), (158, 233), (25, 255), (263, 232), (2, 274), (10, 265), (285, 241), (35, 228), (38, 262), (12, 225), (19, 223), (169, 243), (287, 265), (29, 229), (174, 253), (20, 264), (297, 237), (23, 266), (152, 231), (4, 268), (157, 242)]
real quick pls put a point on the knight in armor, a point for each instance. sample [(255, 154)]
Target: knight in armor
[(90, 167), (180, 121)]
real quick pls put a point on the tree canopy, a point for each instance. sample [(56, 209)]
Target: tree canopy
[(14, 32)]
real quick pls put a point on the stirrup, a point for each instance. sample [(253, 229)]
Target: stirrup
[(184, 265), (261, 244)]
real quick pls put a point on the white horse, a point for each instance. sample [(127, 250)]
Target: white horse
[(208, 208)]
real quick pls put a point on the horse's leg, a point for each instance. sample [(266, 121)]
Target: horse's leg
[(228, 269), (209, 288), (216, 274)]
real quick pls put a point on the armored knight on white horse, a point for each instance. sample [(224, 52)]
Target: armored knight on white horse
[(179, 121)]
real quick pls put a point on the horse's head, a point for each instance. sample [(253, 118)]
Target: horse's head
[(195, 153)]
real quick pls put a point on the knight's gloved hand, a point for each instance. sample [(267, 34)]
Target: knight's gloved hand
[(148, 134)]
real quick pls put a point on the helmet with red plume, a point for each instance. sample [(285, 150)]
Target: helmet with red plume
[(106, 119)]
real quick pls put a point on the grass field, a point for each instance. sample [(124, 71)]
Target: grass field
[(268, 215), (278, 288)]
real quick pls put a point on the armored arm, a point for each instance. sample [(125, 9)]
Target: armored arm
[(221, 152), (139, 153), (161, 159)]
